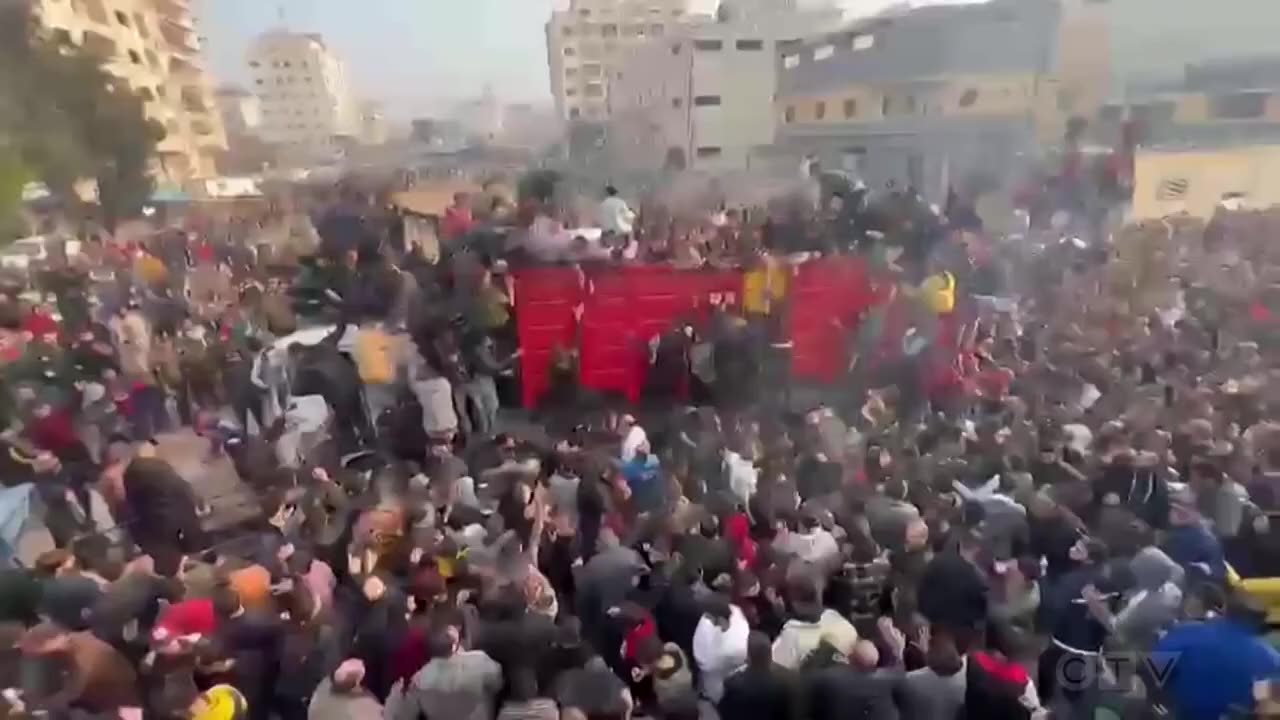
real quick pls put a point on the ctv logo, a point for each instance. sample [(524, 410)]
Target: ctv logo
[(1115, 669)]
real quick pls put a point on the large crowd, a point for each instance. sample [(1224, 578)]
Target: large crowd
[(1035, 491)]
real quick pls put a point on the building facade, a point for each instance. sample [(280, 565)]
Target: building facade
[(937, 97), (586, 41), (240, 109), (152, 46), (703, 97), (308, 109)]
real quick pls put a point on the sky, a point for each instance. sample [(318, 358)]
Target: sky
[(417, 57)]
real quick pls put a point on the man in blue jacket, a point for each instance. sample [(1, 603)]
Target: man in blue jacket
[(1212, 665)]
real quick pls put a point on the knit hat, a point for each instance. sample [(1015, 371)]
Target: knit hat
[(69, 601), (189, 617)]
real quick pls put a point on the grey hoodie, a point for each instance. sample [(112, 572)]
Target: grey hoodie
[(460, 687), (1156, 601)]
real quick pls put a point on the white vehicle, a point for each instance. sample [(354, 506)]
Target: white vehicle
[(21, 254)]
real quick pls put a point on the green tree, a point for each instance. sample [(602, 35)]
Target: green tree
[(67, 118)]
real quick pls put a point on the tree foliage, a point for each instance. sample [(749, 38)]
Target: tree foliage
[(64, 117)]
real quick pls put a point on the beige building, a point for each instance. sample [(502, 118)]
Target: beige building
[(702, 96), (586, 42), (308, 109), (151, 45)]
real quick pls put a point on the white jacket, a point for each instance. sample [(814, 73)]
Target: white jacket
[(799, 637), (719, 653)]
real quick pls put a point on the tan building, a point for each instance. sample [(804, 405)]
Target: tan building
[(308, 109), (702, 96), (151, 45), (942, 97), (586, 43)]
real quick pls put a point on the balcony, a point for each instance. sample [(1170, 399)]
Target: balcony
[(181, 40), (101, 45), (193, 100)]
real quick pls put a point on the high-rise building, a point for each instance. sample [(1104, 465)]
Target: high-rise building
[(586, 41), (241, 110), (308, 109), (702, 96), (373, 124), (152, 45)]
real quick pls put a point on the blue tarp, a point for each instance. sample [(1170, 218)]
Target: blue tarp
[(16, 505)]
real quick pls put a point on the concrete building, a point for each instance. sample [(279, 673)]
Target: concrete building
[(1213, 105), (240, 109), (374, 129), (702, 96), (152, 46), (1152, 41), (586, 41), (308, 109), (482, 117), (938, 96)]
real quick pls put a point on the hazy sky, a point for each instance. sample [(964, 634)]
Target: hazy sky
[(416, 56)]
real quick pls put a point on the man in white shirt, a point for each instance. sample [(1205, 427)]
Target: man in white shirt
[(615, 216)]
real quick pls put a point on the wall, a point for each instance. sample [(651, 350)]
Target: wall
[(1206, 176)]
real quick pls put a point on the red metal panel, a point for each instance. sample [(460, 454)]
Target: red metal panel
[(545, 298)]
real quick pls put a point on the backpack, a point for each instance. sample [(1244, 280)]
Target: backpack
[(373, 357)]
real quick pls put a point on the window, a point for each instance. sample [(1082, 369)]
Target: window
[(254, 64), (707, 45), (134, 57), (566, 31), (570, 92), (571, 72), (260, 81), (146, 94), (570, 52), (707, 100), (819, 110), (790, 61), (909, 104), (594, 90), (140, 23), (152, 60), (749, 45), (677, 103), (968, 98), (160, 91), (789, 115), (822, 52), (122, 18), (1241, 106), (863, 42), (609, 30), (708, 152), (885, 106), (656, 29), (675, 48), (850, 108), (584, 12), (591, 70)]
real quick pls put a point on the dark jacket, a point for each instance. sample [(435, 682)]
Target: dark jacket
[(162, 508), (840, 692), (952, 592), (760, 694)]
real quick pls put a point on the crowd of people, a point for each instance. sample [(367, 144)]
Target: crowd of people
[(1033, 493)]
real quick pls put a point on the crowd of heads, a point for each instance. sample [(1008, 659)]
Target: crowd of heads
[(1042, 454)]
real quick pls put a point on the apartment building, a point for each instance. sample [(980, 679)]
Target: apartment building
[(586, 41), (702, 97), (152, 46), (936, 96), (308, 109)]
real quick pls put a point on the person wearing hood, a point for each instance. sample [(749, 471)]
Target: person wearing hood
[(456, 684), (719, 645), (1154, 604), (810, 625)]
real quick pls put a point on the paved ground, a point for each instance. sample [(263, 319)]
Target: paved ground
[(213, 479)]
